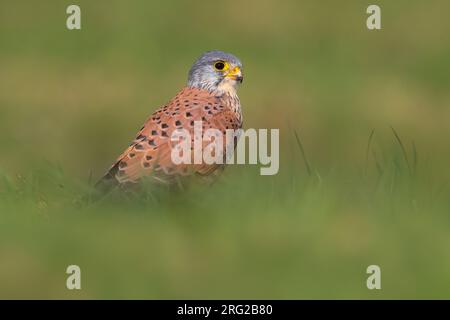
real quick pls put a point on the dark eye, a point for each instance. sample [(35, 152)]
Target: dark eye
[(219, 65)]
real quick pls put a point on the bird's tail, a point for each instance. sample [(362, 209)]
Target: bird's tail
[(105, 185)]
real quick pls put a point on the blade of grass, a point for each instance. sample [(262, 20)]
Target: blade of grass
[(302, 150), (377, 163), (415, 157), (369, 144), (405, 155)]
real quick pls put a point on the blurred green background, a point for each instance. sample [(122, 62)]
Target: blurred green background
[(70, 101)]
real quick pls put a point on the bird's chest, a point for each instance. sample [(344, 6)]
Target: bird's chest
[(235, 106)]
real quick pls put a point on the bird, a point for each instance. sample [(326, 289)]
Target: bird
[(210, 96)]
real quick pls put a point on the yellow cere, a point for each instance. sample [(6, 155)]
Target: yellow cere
[(235, 71)]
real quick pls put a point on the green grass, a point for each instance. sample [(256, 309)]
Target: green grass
[(292, 235), (363, 119)]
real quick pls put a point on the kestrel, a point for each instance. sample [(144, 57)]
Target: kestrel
[(210, 96)]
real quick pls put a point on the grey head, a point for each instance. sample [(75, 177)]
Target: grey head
[(216, 71)]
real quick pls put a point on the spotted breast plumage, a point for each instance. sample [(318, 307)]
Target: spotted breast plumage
[(209, 98)]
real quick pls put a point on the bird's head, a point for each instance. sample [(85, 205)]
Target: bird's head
[(216, 71)]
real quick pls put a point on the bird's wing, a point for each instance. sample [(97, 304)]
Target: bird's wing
[(223, 120), (150, 152)]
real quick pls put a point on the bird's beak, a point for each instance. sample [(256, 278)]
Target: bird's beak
[(235, 74)]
